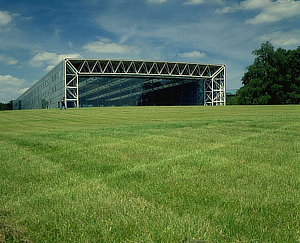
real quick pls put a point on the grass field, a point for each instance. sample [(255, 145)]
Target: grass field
[(151, 174)]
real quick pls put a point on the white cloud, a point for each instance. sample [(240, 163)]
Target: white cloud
[(5, 18), (10, 80), (276, 11), (225, 10), (197, 2), (11, 87), (263, 18), (8, 60), (192, 54), (193, 2), (254, 4), (156, 1), (270, 11), (22, 91), (8, 93), (194, 35), (70, 44), (49, 59), (245, 5), (281, 38), (106, 46), (130, 33), (49, 68)]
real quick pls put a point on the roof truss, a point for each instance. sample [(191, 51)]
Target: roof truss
[(212, 76), (148, 68)]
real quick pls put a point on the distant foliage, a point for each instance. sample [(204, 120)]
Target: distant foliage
[(231, 100), (6, 106), (273, 78)]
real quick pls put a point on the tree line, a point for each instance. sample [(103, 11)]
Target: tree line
[(273, 78), (6, 106)]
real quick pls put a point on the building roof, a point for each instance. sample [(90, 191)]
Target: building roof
[(144, 68)]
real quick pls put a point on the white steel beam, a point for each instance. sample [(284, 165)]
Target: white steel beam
[(213, 76)]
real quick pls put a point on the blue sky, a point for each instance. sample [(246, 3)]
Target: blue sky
[(35, 35)]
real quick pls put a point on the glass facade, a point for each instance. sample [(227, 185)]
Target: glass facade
[(95, 91), (99, 82)]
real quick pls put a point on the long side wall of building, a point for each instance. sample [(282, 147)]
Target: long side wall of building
[(44, 94)]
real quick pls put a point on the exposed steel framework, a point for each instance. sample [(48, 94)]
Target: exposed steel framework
[(212, 76)]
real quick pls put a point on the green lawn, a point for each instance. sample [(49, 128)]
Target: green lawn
[(151, 174)]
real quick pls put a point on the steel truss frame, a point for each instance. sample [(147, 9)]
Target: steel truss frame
[(212, 76)]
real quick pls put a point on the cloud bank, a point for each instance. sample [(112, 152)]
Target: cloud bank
[(193, 2), (107, 46), (192, 54), (8, 60), (5, 18), (49, 59), (156, 1), (11, 87), (270, 11), (281, 38)]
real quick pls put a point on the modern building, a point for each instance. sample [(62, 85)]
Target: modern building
[(96, 82)]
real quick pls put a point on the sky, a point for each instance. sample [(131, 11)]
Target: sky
[(35, 35)]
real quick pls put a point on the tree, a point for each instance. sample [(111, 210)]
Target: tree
[(273, 78), (293, 78), (6, 106)]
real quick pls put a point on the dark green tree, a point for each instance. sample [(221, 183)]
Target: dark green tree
[(6, 106), (292, 89), (273, 78)]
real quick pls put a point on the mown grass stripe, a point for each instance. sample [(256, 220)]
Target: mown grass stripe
[(151, 174)]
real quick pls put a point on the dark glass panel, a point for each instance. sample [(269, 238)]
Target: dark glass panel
[(124, 91), (126, 65), (77, 64), (126, 101), (177, 93), (91, 64), (85, 68)]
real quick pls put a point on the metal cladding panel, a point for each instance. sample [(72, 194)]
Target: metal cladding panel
[(45, 93)]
